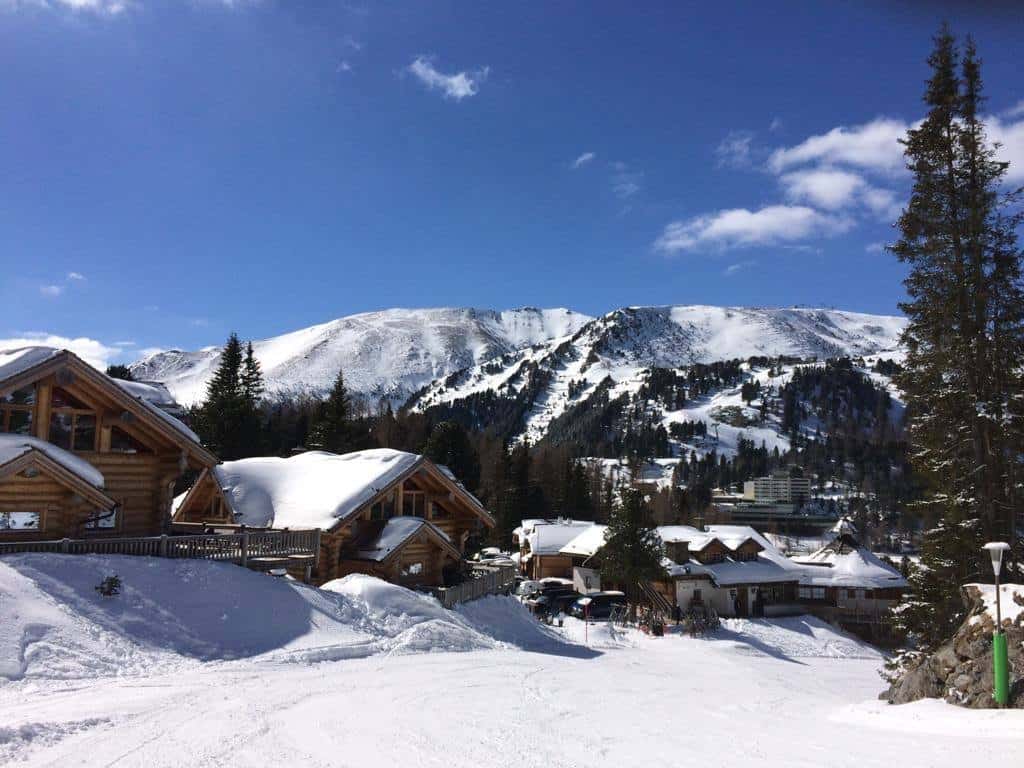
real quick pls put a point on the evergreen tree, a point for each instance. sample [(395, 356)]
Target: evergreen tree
[(334, 430), (964, 338), (449, 445), (632, 550), (220, 420), (250, 381), (251, 378), (119, 372)]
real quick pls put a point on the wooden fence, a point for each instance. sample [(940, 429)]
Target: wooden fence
[(250, 549), (486, 580)]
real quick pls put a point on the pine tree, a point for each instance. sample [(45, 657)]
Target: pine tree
[(220, 420), (632, 550), (964, 338), (334, 430), (449, 445), (119, 371), (251, 378)]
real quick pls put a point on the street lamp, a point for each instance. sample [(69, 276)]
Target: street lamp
[(1000, 665)]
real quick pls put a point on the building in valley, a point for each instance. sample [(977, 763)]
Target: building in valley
[(730, 568), (388, 513), (847, 585), (540, 543), (779, 488), (82, 454)]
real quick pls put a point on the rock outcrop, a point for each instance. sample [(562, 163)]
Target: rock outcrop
[(960, 670)]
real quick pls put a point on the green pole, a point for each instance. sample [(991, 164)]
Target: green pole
[(1001, 669)]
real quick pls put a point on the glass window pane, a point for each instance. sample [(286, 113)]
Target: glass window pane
[(106, 522), (60, 430), (64, 399), (85, 432), (19, 521), (18, 421), (122, 442), (25, 396)]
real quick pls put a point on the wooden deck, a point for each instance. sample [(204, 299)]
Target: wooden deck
[(259, 550)]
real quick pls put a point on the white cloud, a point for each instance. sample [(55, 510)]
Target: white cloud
[(459, 86), (874, 145), (51, 291), (732, 269), (824, 187), (1011, 136), (734, 150), (344, 66), (1015, 111), (94, 352), (874, 248), (625, 181), (583, 159), (740, 227), (775, 124), (76, 276)]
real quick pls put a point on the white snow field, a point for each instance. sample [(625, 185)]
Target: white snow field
[(204, 664)]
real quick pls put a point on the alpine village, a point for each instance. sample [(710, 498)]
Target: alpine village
[(712, 497)]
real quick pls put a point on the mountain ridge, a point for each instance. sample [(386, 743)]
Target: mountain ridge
[(400, 353)]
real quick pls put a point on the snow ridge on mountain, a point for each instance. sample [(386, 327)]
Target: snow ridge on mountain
[(624, 344), (387, 354)]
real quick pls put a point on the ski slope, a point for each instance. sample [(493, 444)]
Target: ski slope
[(191, 672)]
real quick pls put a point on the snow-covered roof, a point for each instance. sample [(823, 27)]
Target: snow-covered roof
[(310, 490), (13, 446), (395, 533), (547, 537), (843, 563), (20, 359), (586, 543), (153, 398)]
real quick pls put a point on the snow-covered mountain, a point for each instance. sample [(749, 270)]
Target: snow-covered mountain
[(623, 345), (391, 353)]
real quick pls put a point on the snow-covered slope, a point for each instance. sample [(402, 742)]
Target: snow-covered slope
[(391, 353), (624, 344)]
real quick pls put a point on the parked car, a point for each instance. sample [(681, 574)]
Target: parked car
[(526, 588), (601, 605)]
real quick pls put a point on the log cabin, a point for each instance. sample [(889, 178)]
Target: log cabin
[(388, 513), (82, 454), (540, 542)]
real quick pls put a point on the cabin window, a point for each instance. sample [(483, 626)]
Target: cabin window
[(414, 504), (377, 511), (122, 442), (16, 411), (11, 522), (438, 512), (72, 423), (811, 593), (715, 557), (412, 569), (103, 520), (698, 596)]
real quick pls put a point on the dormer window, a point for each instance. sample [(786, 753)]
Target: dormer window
[(16, 411), (72, 423)]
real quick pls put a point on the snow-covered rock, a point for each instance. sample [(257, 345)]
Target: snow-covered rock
[(960, 670)]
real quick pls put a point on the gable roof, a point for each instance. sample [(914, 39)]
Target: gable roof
[(397, 532), (24, 365), (318, 489), (844, 563), (547, 537), (19, 452)]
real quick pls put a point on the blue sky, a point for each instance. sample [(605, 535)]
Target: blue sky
[(173, 171)]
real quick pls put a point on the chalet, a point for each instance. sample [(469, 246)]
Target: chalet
[(388, 513), (847, 585), (730, 568), (82, 454), (540, 543)]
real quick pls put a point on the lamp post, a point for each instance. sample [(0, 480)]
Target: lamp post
[(1000, 665)]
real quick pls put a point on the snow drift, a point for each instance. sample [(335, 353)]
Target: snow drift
[(173, 612)]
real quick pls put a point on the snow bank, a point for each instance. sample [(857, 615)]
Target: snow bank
[(176, 612), (797, 637)]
